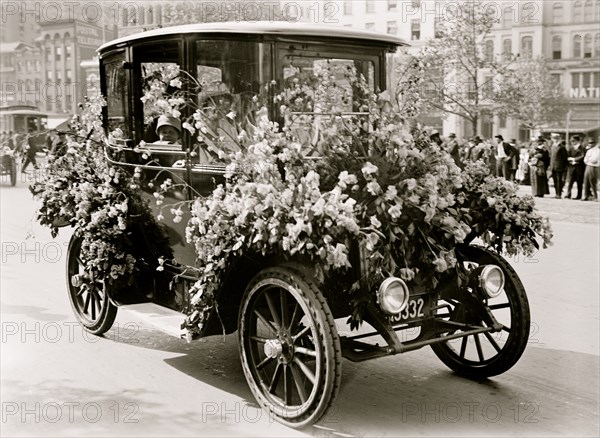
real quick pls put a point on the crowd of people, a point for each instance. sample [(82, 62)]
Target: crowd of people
[(568, 166), (27, 145)]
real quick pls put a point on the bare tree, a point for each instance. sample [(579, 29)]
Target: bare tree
[(459, 66)]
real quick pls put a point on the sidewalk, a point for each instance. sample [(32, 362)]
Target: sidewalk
[(565, 210)]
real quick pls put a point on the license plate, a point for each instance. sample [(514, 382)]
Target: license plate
[(419, 307)]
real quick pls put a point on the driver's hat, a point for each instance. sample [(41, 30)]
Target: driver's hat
[(166, 120)]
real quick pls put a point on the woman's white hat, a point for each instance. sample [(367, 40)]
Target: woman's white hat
[(166, 120)]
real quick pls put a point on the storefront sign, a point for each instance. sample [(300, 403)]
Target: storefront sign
[(584, 93)]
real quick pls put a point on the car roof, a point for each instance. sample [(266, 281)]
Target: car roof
[(280, 28)]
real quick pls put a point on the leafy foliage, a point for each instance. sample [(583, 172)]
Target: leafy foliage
[(529, 95)]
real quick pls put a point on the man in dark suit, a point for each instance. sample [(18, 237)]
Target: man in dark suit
[(576, 166), (558, 163)]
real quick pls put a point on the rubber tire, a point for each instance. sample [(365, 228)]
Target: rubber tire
[(108, 311), (328, 381), (519, 330)]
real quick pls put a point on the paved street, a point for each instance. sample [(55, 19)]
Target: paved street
[(57, 381)]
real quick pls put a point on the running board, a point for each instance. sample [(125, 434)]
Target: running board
[(160, 317)]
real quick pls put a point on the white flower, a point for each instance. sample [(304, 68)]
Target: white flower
[(346, 179), (175, 83), (369, 169), (395, 211), (391, 193), (411, 184), (375, 222), (374, 188)]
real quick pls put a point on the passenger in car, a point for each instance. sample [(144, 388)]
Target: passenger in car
[(168, 129)]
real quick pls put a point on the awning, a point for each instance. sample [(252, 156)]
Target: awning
[(59, 124), (576, 126)]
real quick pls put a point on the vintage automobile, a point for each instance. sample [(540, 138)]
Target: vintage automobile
[(290, 347)]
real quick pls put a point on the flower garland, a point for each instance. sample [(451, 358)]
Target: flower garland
[(377, 184), (80, 188), (396, 194)]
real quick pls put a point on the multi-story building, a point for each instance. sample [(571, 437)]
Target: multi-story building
[(20, 69), (65, 44), (44, 45), (566, 33)]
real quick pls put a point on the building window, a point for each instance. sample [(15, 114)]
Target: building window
[(577, 12), (68, 52), (487, 88), (38, 66), (392, 5), (370, 26), (48, 54), (507, 48), (489, 51), (58, 77), (502, 121), (507, 17), (597, 46), (584, 85), (556, 79), (28, 66), (526, 47), (68, 76), (587, 46), (370, 6), (348, 7), (19, 66), (577, 46), (58, 53), (415, 29), (557, 13), (556, 47), (392, 27), (588, 12), (49, 75)]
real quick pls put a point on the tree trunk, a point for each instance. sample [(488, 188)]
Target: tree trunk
[(474, 126)]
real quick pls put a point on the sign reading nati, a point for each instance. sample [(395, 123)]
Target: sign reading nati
[(583, 93)]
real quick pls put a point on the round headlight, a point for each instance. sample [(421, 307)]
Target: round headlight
[(491, 280), (393, 295)]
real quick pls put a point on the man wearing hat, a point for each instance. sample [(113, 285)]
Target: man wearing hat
[(504, 157), (59, 148), (168, 129), (558, 163), (453, 148), (576, 166)]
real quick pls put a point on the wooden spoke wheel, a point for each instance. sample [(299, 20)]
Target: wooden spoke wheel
[(489, 354), (89, 300), (289, 346)]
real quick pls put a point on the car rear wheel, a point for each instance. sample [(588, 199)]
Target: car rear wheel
[(88, 296)]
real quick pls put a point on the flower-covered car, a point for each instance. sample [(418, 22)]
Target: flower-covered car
[(256, 178)]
